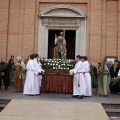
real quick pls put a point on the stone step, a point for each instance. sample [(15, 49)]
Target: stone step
[(113, 112), (114, 118), (111, 105), (4, 101), (108, 110), (2, 105)]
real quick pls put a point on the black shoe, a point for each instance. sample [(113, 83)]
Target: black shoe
[(6, 87), (80, 97), (74, 96)]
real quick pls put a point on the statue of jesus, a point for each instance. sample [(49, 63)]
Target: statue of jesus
[(60, 50)]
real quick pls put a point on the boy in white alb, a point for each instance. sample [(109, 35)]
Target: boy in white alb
[(87, 77), (79, 86)]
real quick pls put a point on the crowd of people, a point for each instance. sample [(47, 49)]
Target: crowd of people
[(103, 77), (27, 75), (6, 70)]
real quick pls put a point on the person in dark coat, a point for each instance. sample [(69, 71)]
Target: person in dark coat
[(95, 75), (3, 70), (114, 73), (1, 75), (10, 69)]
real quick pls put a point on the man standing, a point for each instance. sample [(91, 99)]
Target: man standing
[(114, 70), (87, 77), (3, 69), (10, 68), (79, 86), (1, 75), (42, 72)]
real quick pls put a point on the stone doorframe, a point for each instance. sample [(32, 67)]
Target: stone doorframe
[(62, 17)]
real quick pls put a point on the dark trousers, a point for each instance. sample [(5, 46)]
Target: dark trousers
[(114, 88), (4, 79)]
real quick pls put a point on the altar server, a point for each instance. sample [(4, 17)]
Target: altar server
[(79, 86), (87, 77), (37, 76), (42, 72), (30, 86)]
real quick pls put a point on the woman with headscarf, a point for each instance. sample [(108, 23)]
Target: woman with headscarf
[(18, 75)]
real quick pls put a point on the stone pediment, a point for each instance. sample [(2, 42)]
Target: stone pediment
[(62, 11)]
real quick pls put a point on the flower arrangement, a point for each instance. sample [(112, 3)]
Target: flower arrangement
[(58, 64), (115, 81)]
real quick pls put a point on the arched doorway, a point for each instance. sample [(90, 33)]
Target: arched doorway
[(65, 18)]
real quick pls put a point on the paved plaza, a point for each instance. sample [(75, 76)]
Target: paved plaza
[(10, 94)]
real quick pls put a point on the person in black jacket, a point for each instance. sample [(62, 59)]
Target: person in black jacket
[(95, 75), (3, 70), (114, 73), (1, 74)]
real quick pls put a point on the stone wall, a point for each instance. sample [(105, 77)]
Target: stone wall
[(19, 26)]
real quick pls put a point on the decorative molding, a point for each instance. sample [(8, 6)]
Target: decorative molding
[(60, 21), (62, 11)]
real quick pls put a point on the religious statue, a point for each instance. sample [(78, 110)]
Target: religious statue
[(60, 50)]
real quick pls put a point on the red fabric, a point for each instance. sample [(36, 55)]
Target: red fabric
[(57, 83), (79, 78), (118, 65)]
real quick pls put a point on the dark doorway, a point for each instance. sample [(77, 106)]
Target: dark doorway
[(70, 36)]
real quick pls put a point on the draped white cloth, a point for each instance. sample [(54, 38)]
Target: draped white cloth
[(79, 86), (87, 77), (30, 83)]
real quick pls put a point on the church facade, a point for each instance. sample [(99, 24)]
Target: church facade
[(91, 27)]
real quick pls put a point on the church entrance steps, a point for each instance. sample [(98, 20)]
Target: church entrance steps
[(112, 109), (3, 103)]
